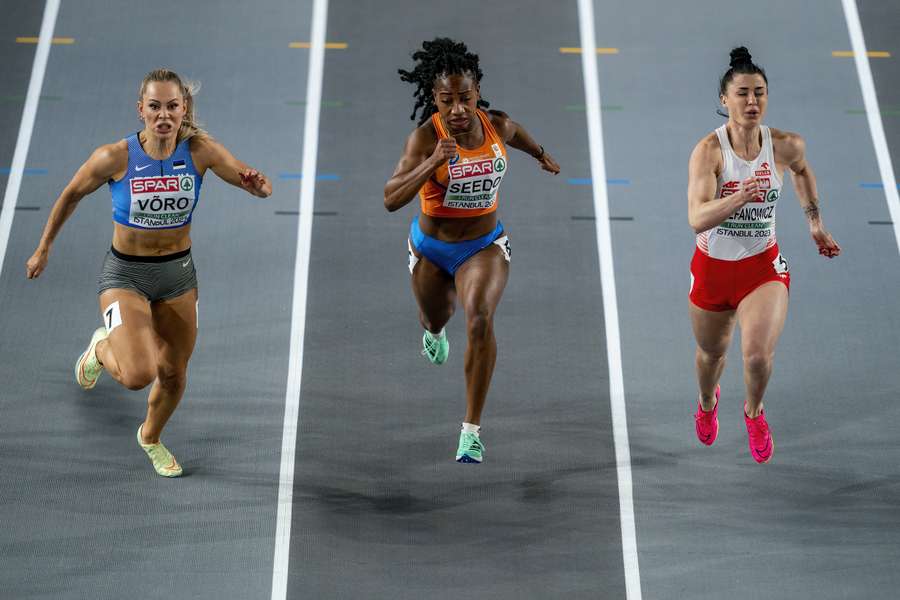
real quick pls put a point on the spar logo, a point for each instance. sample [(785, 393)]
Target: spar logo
[(156, 185), (474, 169), (772, 196), (499, 165)]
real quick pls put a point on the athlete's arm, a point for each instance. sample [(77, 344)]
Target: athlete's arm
[(703, 212), (421, 158), (104, 163), (207, 153), (514, 135), (793, 148)]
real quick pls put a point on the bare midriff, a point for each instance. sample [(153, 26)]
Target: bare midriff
[(146, 242), (457, 229)]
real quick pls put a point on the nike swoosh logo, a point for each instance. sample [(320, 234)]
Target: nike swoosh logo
[(186, 263), (144, 167)]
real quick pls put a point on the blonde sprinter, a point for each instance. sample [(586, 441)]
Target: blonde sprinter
[(148, 285)]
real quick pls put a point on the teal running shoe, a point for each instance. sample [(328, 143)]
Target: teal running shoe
[(163, 462), (435, 347), (470, 450), (87, 367)]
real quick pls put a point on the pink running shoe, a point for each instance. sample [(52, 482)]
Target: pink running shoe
[(707, 423), (761, 444)]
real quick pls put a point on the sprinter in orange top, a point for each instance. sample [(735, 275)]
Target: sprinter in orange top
[(456, 160)]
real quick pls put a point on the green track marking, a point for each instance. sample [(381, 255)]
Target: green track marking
[(885, 112), (325, 103), (581, 107), (17, 98)]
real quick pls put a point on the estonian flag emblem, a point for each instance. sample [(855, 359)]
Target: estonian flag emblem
[(178, 164)]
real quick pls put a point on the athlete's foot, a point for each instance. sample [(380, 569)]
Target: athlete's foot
[(163, 461), (706, 422), (88, 367), (435, 346), (470, 449), (759, 437)]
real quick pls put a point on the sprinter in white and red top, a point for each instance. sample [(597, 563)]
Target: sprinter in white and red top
[(737, 273)]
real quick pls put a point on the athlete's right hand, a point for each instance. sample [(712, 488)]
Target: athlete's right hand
[(749, 190), (37, 263), (444, 150)]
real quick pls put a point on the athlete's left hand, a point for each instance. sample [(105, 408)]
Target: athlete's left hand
[(548, 164), (255, 183), (826, 244)]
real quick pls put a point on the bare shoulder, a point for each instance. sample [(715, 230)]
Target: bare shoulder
[(112, 152), (502, 123), (423, 139), (109, 159), (789, 146), (204, 144), (708, 151), (207, 152)]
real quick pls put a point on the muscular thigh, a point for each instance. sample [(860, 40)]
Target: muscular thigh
[(126, 315), (712, 329), (480, 281), (761, 315), (175, 328), (434, 289)]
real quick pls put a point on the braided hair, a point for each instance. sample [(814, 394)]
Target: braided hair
[(438, 58), (741, 64)]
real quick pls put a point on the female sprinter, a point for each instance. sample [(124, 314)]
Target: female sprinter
[(148, 285), (455, 161), (737, 273)]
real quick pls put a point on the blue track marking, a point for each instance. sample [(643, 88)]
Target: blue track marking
[(589, 181), (874, 185), (6, 171), (319, 177)]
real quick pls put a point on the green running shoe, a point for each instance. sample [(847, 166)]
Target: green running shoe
[(435, 347), (87, 367), (470, 448), (163, 461)]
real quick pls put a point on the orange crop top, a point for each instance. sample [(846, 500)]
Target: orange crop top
[(468, 185)]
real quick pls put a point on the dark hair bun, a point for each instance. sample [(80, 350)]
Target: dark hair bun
[(740, 56)]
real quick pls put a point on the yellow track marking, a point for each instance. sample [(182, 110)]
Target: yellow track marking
[(567, 50), (870, 54), (328, 45), (34, 40)]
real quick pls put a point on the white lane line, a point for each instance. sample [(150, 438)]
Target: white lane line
[(23, 142), (873, 114), (298, 311), (610, 309)]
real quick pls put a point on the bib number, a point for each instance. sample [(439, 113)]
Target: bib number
[(473, 185), (503, 244), (780, 265), (112, 316), (162, 202)]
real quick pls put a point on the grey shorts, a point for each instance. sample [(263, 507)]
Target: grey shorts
[(155, 278)]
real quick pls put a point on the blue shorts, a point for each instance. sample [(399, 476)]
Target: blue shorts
[(449, 256)]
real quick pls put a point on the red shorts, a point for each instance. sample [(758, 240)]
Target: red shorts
[(720, 285)]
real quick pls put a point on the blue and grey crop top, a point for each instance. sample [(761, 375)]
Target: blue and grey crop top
[(156, 194)]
